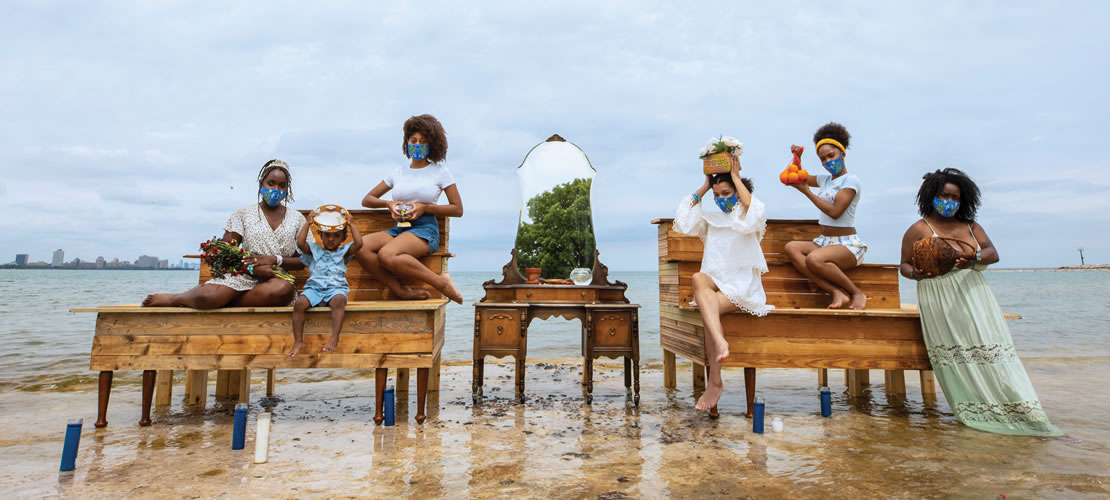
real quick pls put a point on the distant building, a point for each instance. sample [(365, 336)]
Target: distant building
[(101, 263), (147, 261), (59, 258), (21, 259), (164, 264)]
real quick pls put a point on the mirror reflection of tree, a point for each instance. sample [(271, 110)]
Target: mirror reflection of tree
[(557, 234)]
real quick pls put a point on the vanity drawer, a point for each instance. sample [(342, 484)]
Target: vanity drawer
[(500, 327), (612, 328)]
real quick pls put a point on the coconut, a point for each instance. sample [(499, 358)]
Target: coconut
[(935, 256)]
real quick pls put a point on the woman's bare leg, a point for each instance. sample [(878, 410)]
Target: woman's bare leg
[(272, 292), (401, 256), (798, 251), (829, 263), (711, 304), (208, 296), (368, 257), (299, 309), (337, 304)]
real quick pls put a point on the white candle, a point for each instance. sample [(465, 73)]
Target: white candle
[(776, 424), (262, 439)]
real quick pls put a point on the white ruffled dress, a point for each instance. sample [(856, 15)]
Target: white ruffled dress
[(733, 257)]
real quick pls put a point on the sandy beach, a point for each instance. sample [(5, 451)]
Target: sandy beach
[(323, 443)]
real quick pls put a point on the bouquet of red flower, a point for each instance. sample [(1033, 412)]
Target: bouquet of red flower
[(223, 258)]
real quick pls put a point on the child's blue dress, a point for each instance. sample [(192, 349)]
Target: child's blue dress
[(327, 273)]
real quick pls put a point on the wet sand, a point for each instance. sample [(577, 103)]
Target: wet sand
[(324, 444)]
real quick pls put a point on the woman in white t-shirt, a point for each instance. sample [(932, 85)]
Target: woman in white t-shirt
[(396, 252), (825, 259)]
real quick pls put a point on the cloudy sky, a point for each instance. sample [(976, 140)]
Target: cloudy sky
[(131, 128)]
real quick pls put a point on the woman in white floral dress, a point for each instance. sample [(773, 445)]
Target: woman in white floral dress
[(267, 229)]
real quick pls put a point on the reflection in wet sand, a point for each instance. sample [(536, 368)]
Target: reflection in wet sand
[(323, 444)]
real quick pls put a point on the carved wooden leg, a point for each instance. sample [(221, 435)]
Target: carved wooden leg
[(163, 396), (749, 389), (699, 377), (928, 388), (822, 377), (636, 383), (670, 378), (270, 379), (476, 384), (421, 393), (380, 376), (148, 394), (627, 372), (520, 379), (102, 398)]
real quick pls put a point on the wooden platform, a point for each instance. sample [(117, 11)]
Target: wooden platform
[(377, 334), (801, 332)]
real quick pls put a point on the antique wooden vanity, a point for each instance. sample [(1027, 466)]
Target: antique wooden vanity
[(610, 324)]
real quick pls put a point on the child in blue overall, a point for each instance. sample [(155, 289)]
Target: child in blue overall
[(327, 282)]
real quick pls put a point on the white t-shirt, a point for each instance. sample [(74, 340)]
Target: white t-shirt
[(827, 189), (422, 185)]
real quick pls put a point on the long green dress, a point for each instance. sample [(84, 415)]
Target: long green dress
[(974, 358)]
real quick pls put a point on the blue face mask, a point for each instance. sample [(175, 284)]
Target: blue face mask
[(272, 197), (727, 204), (835, 167), (946, 208), (418, 151)]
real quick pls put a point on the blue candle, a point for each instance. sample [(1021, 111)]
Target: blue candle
[(757, 417), (69, 449), (239, 432), (389, 415), (826, 402)]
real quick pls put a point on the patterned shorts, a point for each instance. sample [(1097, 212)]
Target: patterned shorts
[(851, 242)]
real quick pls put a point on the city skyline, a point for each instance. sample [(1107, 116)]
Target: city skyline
[(142, 262)]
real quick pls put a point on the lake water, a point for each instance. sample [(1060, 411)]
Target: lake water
[(47, 348)]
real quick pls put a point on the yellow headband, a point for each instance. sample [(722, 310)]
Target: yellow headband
[(834, 142)]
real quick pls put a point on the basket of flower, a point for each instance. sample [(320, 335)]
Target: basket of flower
[(720, 154), (225, 258)]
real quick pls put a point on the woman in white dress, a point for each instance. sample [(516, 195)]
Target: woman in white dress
[(267, 229), (731, 265)]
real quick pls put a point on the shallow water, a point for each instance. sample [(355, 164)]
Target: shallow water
[(554, 444)]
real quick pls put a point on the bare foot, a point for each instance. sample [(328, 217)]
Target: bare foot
[(410, 294), (333, 342), (296, 348), (710, 397), (859, 301), (158, 300), (450, 291), (839, 299), (722, 351)]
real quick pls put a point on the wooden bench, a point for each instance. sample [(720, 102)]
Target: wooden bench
[(801, 332), (377, 334)]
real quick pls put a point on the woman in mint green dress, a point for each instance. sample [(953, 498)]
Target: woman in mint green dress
[(968, 341)]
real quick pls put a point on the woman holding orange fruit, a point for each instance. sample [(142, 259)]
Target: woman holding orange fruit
[(839, 248)]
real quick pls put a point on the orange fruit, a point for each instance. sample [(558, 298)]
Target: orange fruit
[(803, 175), (784, 177), (793, 177), (792, 168)]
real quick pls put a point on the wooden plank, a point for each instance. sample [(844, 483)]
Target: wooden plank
[(168, 345), (895, 382), (822, 377), (271, 379), (928, 388), (433, 376), (198, 395), (164, 394), (223, 377), (244, 386), (670, 379), (698, 372), (854, 382), (353, 306), (233, 361), (241, 323)]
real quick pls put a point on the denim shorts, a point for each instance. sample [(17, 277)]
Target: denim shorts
[(426, 227), (851, 242), (316, 296)]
